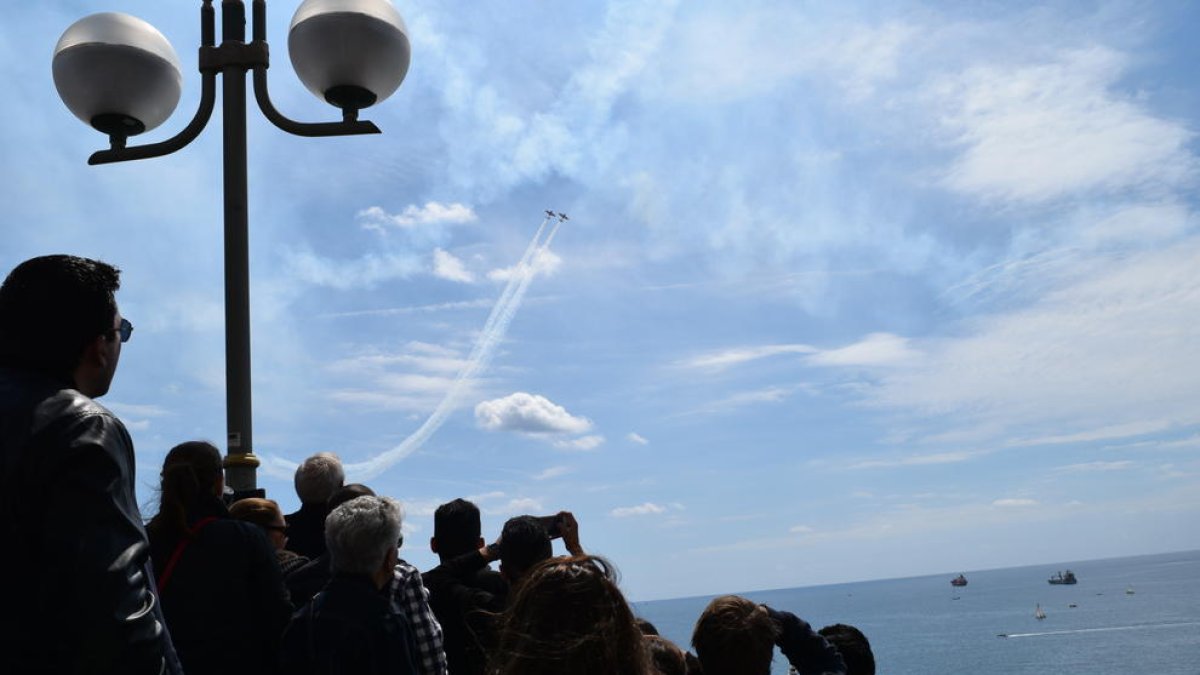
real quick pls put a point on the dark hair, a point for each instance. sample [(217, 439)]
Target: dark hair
[(570, 617), (261, 512), (734, 636), (646, 627), (456, 527), (346, 493), (666, 656), (853, 646), (51, 307), (189, 475), (524, 543)]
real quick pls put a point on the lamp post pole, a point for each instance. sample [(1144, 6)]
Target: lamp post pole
[(352, 53)]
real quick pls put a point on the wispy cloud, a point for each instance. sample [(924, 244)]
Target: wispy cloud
[(432, 213), (952, 457), (450, 268), (740, 355), (590, 442), (365, 272), (528, 413), (1036, 132), (648, 508), (1014, 503), (636, 439), (876, 349), (552, 472), (1089, 467), (545, 263)]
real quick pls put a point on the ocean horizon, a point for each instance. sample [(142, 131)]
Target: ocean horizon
[(1136, 614)]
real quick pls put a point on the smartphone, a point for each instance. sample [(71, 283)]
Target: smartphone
[(553, 525)]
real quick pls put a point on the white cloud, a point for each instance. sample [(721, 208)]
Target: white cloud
[(365, 272), (734, 357), (552, 472), (523, 505), (1089, 467), (876, 349), (952, 457), (636, 438), (136, 410), (450, 268), (1014, 503), (1038, 132), (649, 508), (545, 263), (432, 213), (582, 443), (801, 529), (528, 413)]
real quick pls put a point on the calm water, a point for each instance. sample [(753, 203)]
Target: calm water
[(923, 626)]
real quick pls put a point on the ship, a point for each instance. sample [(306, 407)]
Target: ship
[(1063, 578), (959, 580)]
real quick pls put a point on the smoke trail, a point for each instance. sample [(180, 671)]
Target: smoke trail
[(481, 355)]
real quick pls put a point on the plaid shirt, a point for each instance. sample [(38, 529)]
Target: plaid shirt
[(410, 599)]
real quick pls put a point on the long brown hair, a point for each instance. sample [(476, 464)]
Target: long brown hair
[(189, 478), (568, 616)]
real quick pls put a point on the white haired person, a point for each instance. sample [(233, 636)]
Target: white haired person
[(317, 478), (349, 626)]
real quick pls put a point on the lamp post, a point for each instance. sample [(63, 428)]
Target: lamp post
[(120, 75)]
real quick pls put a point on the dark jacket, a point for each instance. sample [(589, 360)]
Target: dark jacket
[(307, 581), (77, 591), (225, 601), (466, 597), (306, 530), (349, 629), (806, 650)]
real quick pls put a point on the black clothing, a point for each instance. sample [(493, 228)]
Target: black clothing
[(306, 530), (348, 628), (807, 651), (225, 602), (466, 596), (307, 581), (78, 595)]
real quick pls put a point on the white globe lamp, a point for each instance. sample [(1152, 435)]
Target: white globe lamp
[(117, 73), (350, 53)]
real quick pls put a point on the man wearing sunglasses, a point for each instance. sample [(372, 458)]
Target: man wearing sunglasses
[(75, 554)]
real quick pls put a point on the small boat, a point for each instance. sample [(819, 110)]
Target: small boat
[(1063, 578), (959, 580), (1039, 613), (1129, 590)]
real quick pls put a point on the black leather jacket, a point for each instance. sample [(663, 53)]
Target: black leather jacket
[(77, 589)]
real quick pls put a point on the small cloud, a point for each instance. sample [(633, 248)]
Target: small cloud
[(733, 357), (876, 349), (523, 505), (1088, 467), (918, 460), (582, 443), (801, 529), (552, 472), (450, 268), (646, 509), (545, 263), (1014, 503), (136, 410), (637, 438), (530, 414), (432, 213)]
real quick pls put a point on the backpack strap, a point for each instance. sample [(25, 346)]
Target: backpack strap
[(178, 552)]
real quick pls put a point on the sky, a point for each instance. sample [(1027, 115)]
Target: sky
[(848, 290)]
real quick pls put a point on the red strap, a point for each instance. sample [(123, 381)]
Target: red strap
[(178, 553)]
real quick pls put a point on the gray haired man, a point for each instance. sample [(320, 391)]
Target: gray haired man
[(317, 478)]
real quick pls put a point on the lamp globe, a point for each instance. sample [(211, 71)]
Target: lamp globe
[(351, 53), (117, 73)]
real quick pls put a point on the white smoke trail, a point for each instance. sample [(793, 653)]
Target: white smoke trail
[(481, 355)]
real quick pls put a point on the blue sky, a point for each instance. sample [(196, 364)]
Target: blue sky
[(848, 291)]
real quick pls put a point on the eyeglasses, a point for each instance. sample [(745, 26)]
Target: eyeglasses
[(124, 330)]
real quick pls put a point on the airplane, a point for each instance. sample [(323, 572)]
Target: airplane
[(562, 217), (549, 213)]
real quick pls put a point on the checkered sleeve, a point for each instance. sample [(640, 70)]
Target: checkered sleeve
[(410, 599)]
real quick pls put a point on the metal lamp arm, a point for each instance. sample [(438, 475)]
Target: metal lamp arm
[(347, 127), (208, 98)]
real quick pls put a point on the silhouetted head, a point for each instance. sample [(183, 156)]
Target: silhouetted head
[(456, 529), (347, 492), (524, 543), (666, 656), (192, 483), (53, 310), (318, 477), (734, 636), (854, 647), (264, 513), (568, 616)]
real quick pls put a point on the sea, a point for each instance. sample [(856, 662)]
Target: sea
[(1124, 616)]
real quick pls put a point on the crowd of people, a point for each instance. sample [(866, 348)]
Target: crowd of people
[(209, 586)]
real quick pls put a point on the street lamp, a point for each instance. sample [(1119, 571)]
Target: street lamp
[(118, 74)]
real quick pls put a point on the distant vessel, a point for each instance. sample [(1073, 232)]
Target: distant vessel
[(1129, 590), (1039, 613), (1063, 578), (959, 580)]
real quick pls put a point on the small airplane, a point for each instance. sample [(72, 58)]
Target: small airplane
[(562, 217), (549, 213)]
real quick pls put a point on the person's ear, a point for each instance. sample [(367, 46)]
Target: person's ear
[(433, 545), (479, 544)]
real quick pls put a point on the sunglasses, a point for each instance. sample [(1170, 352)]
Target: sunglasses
[(124, 330)]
